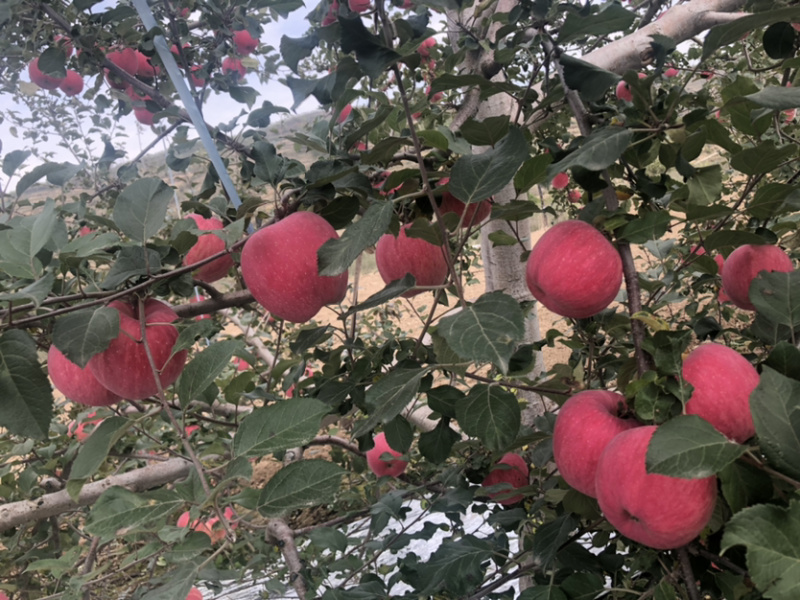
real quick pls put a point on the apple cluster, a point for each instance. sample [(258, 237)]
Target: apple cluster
[(600, 449)]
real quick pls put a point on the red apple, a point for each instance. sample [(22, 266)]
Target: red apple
[(194, 593), (742, 266), (76, 383), (472, 214), (586, 423), (85, 230), (234, 66), (46, 82), (624, 91), (279, 266), (332, 15), (197, 81), (560, 181), (671, 72), (244, 42), (358, 6), (124, 367), (65, 44), (206, 246), (574, 270), (512, 470), (72, 85), (655, 510), (575, 196), (723, 380), (344, 114), (126, 59), (381, 467), (424, 49), (144, 116), (241, 364), (398, 256)]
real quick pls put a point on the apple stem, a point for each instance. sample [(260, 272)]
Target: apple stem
[(688, 574)]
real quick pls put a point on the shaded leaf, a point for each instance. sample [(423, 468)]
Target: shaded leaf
[(389, 396), (491, 414), (336, 255), (204, 368), (26, 399), (599, 151), (773, 405), (279, 426), (82, 334), (300, 484), (141, 208)]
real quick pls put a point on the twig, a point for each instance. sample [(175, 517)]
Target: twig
[(688, 574)]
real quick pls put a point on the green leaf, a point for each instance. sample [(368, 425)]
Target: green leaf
[(543, 592), (611, 19), (705, 186), (119, 509), (279, 426), (776, 297), (730, 239), (293, 50), (300, 484), (399, 434), (590, 81), (450, 82), (650, 226), (56, 173), (132, 261), (491, 414), (722, 35), (776, 97), (599, 151), (335, 256), (475, 178), (487, 132), (772, 199), (532, 172), (487, 330), (389, 396), (773, 405), (785, 359), (141, 208), (743, 484), (26, 399), (549, 538), (392, 290), (84, 333), (13, 160), (36, 292), (175, 583), (205, 368), (435, 445), (779, 41), (95, 450), (371, 53), (762, 158), (689, 447), (456, 566), (770, 534)]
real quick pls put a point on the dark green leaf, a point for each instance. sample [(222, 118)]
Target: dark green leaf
[(743, 485), (475, 178), (722, 35), (26, 400), (95, 450), (532, 171), (82, 334), (689, 447), (389, 396), (589, 80), (392, 290), (119, 509), (491, 414), (457, 566), (293, 50), (650, 226), (599, 151), (204, 368), (487, 330), (705, 185), (549, 538), (776, 297), (785, 359), (13, 160), (132, 261), (779, 41), (279, 426), (773, 405), (399, 434), (543, 592), (776, 97), (372, 55), (141, 208), (611, 19), (487, 132), (300, 484), (35, 292), (770, 534), (762, 158), (435, 445), (335, 256)]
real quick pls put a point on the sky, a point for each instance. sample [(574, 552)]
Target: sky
[(218, 109)]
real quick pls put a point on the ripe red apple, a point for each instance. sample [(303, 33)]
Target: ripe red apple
[(560, 181), (126, 59), (124, 367), (723, 380), (575, 196), (424, 49), (244, 42), (85, 230), (671, 72), (655, 510), (46, 82), (511, 469), (76, 383), (624, 91), (474, 213), (234, 66), (398, 256), (344, 114), (742, 266), (65, 44), (585, 424), (72, 85), (332, 15), (279, 266), (194, 593), (358, 6), (144, 116), (391, 467), (574, 270), (206, 246), (197, 81)]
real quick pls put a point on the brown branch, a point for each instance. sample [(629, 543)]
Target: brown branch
[(14, 514), (280, 534), (688, 575)]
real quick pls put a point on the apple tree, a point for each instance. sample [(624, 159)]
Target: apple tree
[(196, 398)]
